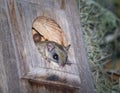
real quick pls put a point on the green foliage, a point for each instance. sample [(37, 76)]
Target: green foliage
[(101, 33)]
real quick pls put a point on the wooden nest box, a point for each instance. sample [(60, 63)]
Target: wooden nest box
[(27, 22)]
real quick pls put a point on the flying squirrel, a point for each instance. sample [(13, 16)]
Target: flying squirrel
[(50, 41), (52, 51)]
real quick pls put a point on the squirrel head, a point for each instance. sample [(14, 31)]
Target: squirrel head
[(57, 53)]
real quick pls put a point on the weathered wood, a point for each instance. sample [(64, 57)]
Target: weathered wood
[(9, 81), (32, 60), (17, 48)]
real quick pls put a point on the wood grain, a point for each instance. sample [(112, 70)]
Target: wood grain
[(49, 29), (18, 54)]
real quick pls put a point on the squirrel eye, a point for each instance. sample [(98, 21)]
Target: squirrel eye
[(55, 56)]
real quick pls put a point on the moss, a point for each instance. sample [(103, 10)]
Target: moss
[(101, 33)]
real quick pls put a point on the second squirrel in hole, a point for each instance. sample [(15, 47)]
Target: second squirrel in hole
[(52, 51)]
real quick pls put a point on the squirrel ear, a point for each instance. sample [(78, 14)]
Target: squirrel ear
[(67, 48), (50, 46)]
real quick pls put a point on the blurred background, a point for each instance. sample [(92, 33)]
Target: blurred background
[(100, 20)]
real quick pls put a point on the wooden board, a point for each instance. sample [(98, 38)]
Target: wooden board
[(33, 62), (18, 52)]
